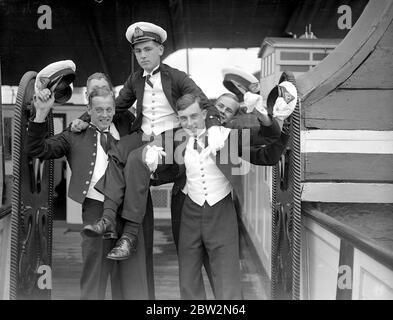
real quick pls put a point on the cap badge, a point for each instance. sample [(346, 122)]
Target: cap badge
[(138, 32)]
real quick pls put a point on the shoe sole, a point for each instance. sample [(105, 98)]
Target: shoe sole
[(110, 236), (90, 233), (106, 236), (118, 259)]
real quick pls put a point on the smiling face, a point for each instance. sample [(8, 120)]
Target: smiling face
[(148, 54), (192, 118), (228, 107), (101, 108)]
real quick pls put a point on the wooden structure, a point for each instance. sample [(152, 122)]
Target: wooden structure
[(346, 183), (347, 161), (291, 55)]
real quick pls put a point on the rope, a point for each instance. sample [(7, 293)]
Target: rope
[(274, 246), (294, 189), (16, 187), (296, 176), (50, 200)]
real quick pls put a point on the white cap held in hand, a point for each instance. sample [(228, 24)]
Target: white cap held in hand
[(286, 104)]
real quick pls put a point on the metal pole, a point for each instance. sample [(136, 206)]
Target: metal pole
[(188, 61)]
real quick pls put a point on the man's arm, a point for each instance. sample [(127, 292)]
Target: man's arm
[(270, 154), (267, 133), (258, 133), (37, 143), (38, 146), (169, 175), (126, 97), (124, 101)]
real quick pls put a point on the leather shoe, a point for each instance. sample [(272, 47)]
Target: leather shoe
[(102, 227), (125, 247)]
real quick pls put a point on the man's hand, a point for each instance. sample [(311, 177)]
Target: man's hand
[(152, 156), (43, 101), (254, 101), (283, 110), (78, 125), (215, 139), (286, 102)]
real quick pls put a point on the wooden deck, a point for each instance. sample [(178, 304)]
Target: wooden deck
[(67, 263)]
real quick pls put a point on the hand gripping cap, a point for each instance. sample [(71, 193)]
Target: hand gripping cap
[(58, 78)]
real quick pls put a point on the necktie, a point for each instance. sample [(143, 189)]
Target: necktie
[(149, 76), (196, 144), (105, 140), (197, 147)]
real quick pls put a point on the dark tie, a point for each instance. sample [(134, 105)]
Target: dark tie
[(197, 146), (105, 140), (149, 76)]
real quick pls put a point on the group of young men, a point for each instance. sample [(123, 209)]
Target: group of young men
[(176, 135)]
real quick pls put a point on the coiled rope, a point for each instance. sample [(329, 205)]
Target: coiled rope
[(296, 185), (16, 176)]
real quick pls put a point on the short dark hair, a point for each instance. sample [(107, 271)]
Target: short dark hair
[(100, 92), (188, 99), (98, 76)]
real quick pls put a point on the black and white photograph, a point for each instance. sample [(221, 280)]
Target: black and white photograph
[(198, 155)]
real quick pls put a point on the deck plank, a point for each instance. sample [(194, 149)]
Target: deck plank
[(67, 265)]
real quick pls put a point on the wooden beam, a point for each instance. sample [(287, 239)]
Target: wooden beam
[(352, 110), (374, 72), (336, 68), (347, 141), (348, 167), (347, 192)]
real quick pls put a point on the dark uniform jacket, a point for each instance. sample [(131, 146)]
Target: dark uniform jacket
[(80, 149), (269, 153), (175, 83)]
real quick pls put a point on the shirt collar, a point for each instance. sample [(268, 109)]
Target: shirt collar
[(145, 73), (111, 129), (192, 135)]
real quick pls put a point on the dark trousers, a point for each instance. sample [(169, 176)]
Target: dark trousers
[(148, 232), (211, 230), (127, 184), (95, 268), (130, 280), (177, 202), (117, 182), (137, 175)]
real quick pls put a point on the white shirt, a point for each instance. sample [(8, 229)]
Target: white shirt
[(100, 165), (205, 181), (158, 115)]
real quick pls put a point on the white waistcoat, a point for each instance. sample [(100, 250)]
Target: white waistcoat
[(158, 115), (205, 181)]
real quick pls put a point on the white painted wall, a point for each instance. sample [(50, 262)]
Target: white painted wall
[(5, 257), (320, 260), (257, 211), (371, 280)]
